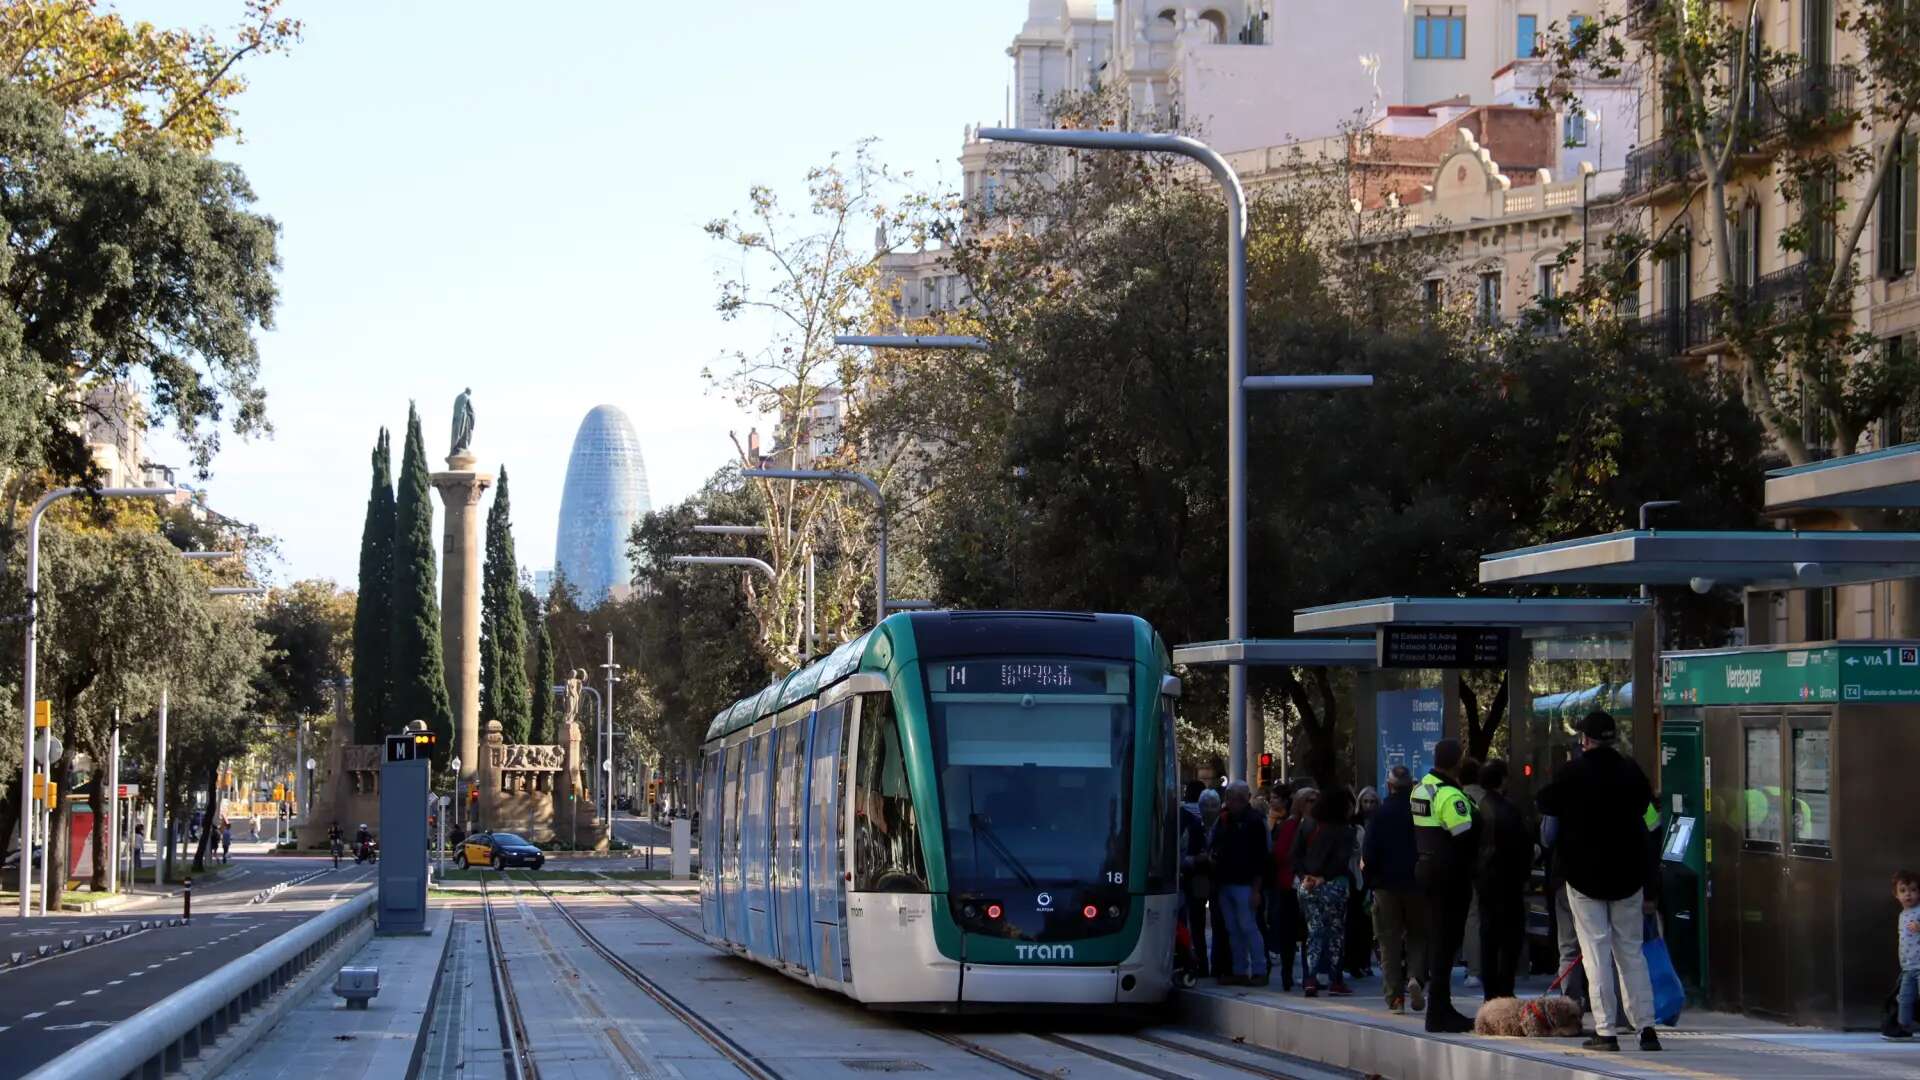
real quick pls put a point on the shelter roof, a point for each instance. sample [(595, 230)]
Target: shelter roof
[(1881, 479), (1300, 652), (1767, 558), (1366, 616)]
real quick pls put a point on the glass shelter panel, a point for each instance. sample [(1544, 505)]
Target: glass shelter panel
[(1761, 786)]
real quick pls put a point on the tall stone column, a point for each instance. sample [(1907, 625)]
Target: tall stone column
[(461, 558)]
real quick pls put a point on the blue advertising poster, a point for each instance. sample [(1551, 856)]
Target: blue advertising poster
[(1409, 728)]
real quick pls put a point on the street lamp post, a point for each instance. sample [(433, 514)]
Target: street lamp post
[(761, 530), (606, 756), (880, 500), (459, 801), (1237, 381), (914, 341), (310, 767), (27, 681)]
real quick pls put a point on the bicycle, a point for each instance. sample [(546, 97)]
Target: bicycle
[(336, 853)]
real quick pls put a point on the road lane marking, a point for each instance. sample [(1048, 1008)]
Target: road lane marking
[(88, 993), (34, 1015), (115, 982), (59, 1004)]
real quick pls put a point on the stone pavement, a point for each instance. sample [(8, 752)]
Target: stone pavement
[(1358, 1033), (320, 1036)]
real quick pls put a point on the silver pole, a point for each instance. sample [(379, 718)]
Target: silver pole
[(725, 560), (880, 500), (606, 782), (112, 798), (810, 619), (1236, 200), (162, 831), (27, 687), (913, 341)]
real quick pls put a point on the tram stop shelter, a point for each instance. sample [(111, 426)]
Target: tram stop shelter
[(1296, 652), (1883, 479), (1779, 765), (1545, 649)]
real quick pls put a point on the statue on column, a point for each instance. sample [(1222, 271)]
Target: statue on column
[(463, 422), (575, 681)]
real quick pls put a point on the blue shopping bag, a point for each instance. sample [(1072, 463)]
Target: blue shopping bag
[(1669, 997)]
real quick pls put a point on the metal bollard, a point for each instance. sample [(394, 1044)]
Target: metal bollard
[(187, 900)]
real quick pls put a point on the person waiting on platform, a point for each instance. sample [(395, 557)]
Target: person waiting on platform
[(1400, 915), (1323, 855), (1506, 863), (1906, 889), (1606, 815), (1240, 864)]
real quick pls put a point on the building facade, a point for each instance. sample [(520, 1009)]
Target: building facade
[(604, 497)]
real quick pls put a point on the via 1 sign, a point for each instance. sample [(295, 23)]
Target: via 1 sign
[(1443, 646)]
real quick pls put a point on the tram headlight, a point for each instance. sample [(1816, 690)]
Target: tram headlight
[(993, 911), (1113, 912), (1090, 911)]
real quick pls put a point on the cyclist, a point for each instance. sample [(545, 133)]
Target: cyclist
[(333, 841)]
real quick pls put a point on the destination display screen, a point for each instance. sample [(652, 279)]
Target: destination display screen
[(1029, 677)]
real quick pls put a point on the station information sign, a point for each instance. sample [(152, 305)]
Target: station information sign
[(412, 746), (1443, 646)]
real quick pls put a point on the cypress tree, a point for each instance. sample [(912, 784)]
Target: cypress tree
[(542, 728), (419, 681), (503, 630), (373, 608)]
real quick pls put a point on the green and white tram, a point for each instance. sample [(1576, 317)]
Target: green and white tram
[(956, 810)]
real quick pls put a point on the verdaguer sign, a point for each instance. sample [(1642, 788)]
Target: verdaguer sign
[(1786, 676)]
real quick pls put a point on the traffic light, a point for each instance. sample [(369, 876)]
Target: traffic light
[(1266, 770)]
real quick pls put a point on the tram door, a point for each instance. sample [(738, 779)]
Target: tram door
[(733, 909), (789, 806), (710, 920), (826, 899), (754, 849)]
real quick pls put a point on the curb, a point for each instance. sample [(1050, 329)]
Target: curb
[(240, 1038)]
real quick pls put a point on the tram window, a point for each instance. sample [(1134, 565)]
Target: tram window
[(1812, 820), (1763, 786), (887, 841), (1162, 856)]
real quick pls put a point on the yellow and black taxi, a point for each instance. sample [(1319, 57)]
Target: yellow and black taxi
[(499, 850)]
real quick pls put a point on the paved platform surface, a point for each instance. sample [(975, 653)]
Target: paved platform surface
[(321, 1037), (1359, 1033), (50, 1006)]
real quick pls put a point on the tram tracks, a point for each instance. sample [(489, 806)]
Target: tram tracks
[(1242, 1063), (729, 1048), (515, 1047)]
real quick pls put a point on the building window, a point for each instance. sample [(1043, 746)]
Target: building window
[(1546, 291), (1526, 36), (1575, 128), (1432, 294), (1440, 33), (1899, 201), (1487, 300), (1574, 23), (1816, 32), (1746, 247)]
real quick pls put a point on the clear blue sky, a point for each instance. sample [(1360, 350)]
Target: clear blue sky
[(510, 196)]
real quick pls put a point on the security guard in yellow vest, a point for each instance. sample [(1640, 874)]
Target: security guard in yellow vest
[(1444, 837)]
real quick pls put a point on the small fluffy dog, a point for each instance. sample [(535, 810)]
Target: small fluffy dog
[(1555, 1015)]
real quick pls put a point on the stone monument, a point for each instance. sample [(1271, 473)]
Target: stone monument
[(461, 559)]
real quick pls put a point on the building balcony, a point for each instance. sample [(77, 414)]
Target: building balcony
[(1667, 330), (1786, 291), (1667, 160), (1813, 99)]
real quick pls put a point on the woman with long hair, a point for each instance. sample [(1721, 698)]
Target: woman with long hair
[(1323, 863)]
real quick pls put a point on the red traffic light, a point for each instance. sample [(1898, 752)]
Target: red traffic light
[(1266, 760)]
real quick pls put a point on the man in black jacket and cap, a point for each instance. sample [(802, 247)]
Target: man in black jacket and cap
[(1606, 819)]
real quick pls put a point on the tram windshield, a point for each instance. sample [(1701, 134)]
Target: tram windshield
[(1033, 759)]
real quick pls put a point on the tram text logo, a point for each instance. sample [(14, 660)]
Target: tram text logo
[(1043, 952), (1743, 678)]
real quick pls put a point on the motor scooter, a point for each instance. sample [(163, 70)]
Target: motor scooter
[(366, 851)]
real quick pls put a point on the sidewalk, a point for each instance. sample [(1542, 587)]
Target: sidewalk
[(1359, 1033), (321, 1037)]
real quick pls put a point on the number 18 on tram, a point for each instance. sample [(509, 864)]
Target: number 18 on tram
[(956, 810)]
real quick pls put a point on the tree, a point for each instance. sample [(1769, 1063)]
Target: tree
[(1816, 380), (136, 84), (503, 634), (1081, 460), (373, 615), (145, 265), (419, 684), (540, 721), (309, 626), (803, 279)]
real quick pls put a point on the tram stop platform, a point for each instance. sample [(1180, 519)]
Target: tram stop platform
[(318, 1036), (1358, 1033)]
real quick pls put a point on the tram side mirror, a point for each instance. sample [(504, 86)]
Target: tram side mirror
[(1169, 686)]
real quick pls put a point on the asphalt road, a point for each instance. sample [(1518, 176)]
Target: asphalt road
[(52, 1005)]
